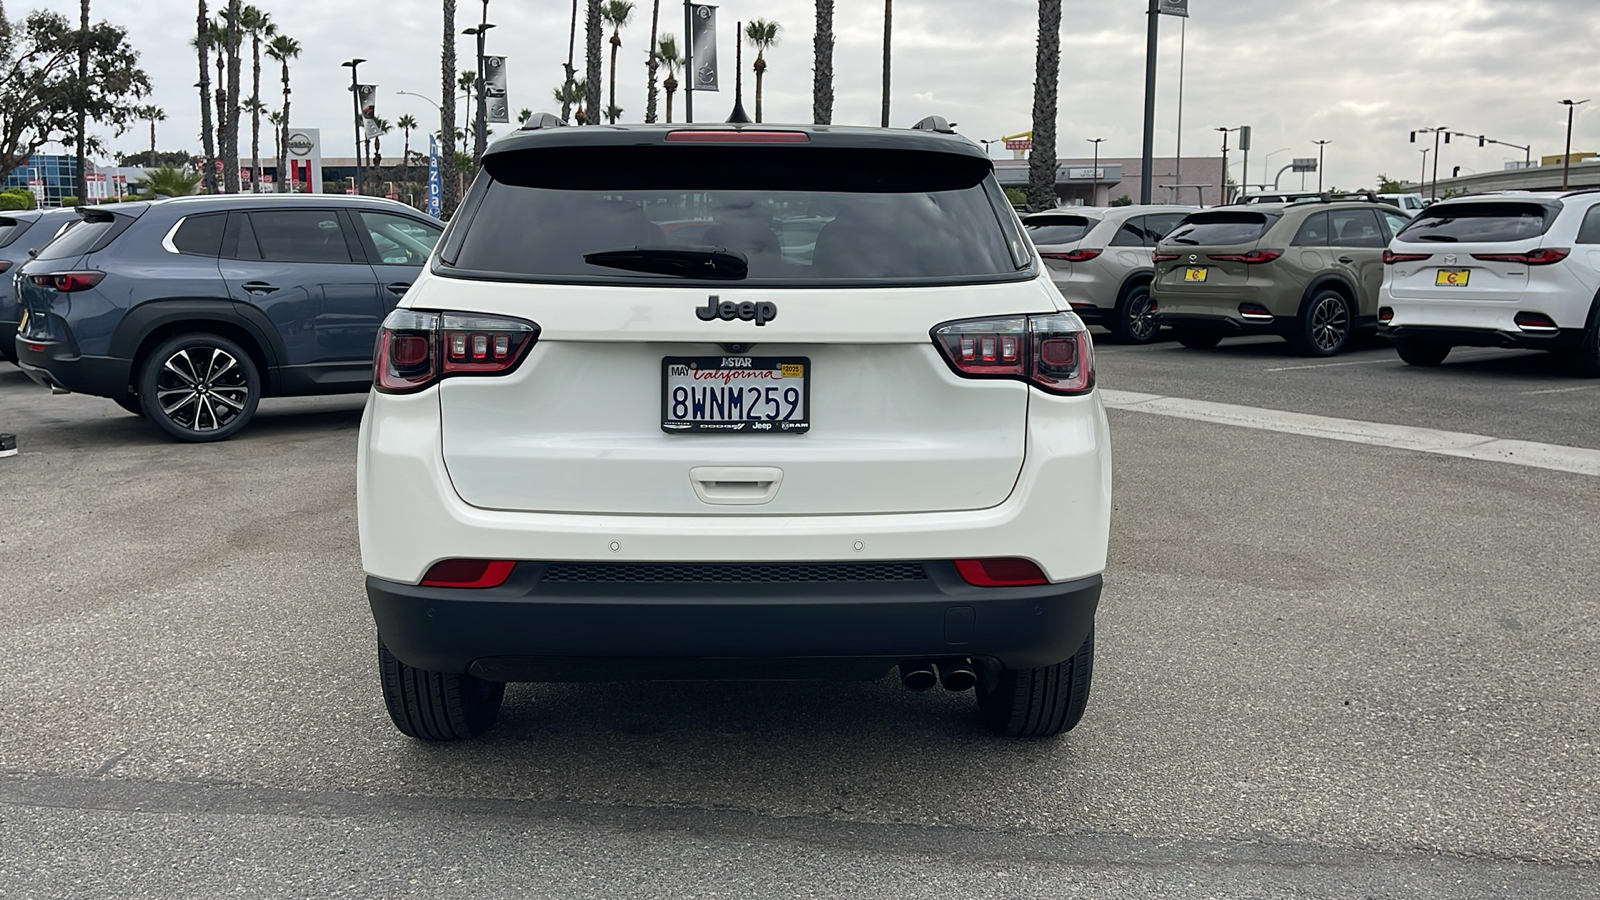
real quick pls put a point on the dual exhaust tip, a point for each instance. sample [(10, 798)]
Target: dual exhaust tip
[(956, 674)]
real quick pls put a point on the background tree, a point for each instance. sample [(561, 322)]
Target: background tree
[(571, 95), (217, 38), (667, 51), (467, 82), (260, 27), (42, 93), (1387, 185), (572, 73), (450, 190), (651, 61), (616, 13), (613, 113), (591, 55), (275, 119), (202, 45), (380, 128), (1047, 73), (230, 146), (822, 71), (152, 114), (168, 181), (406, 123), (282, 49), (763, 35)]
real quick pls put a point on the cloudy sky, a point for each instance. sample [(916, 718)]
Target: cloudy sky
[(1360, 73)]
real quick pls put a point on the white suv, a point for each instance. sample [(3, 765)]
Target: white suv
[(718, 402), (1497, 270), (1100, 261)]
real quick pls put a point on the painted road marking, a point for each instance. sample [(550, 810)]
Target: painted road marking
[(1568, 390), (1580, 460), (1359, 362)]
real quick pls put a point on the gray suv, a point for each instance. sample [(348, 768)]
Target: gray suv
[(1100, 261), (21, 233), (189, 311)]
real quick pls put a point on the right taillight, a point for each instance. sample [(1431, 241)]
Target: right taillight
[(1542, 257), (1050, 351), (416, 348)]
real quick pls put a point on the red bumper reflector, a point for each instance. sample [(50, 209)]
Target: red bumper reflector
[(468, 573), (999, 572)]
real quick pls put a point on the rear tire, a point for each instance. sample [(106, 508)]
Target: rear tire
[(437, 706), (1197, 340), (1038, 702), (1584, 362), (1422, 353), (209, 391), (1325, 325), (1133, 321)]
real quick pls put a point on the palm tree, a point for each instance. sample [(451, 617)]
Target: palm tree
[(763, 35), (613, 113), (167, 181), (651, 61), (571, 95), (405, 123), (467, 80), (284, 48), (888, 31), (450, 190), (381, 127), (1047, 74), (153, 114), (230, 150), (667, 51), (275, 119), (217, 37), (260, 26), (591, 53), (572, 73), (822, 68), (202, 44), (616, 13), (523, 115)]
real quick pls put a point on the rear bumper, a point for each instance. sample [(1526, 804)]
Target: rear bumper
[(1456, 336), (1232, 325), (534, 629), (56, 366)]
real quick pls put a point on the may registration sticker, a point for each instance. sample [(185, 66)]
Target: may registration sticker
[(739, 394)]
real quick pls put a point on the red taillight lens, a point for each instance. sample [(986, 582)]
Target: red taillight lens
[(1049, 351), (416, 349), (1532, 321), (468, 573), (1390, 257), (1073, 255), (1001, 572), (1163, 257), (1254, 311), (5, 265), (67, 282), (1542, 257), (1254, 257), (1385, 315)]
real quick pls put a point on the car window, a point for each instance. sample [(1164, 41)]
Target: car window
[(1395, 222), (200, 235), (1480, 223), (75, 240), (1057, 229), (1589, 232), (1313, 232), (1355, 228), (11, 229), (294, 235), (1228, 227), (400, 241), (1132, 234), (1158, 227)]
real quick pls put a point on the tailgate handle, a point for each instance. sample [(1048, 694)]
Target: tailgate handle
[(736, 485)]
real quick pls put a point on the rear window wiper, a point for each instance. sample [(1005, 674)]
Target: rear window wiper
[(1182, 240), (717, 263), (1441, 238)]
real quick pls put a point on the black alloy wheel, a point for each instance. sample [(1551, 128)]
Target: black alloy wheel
[(199, 387), (1325, 325), (1135, 317)]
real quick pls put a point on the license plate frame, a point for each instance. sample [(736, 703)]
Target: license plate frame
[(787, 368), (1195, 274), (1446, 277)]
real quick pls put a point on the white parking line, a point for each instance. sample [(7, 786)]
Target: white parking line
[(1580, 460), (1581, 387), (1359, 362)]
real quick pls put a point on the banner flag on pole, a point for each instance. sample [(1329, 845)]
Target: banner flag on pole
[(435, 189), (1175, 8), (494, 89), (369, 109), (704, 47)]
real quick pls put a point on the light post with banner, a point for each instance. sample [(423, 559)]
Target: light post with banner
[(700, 61), (1157, 9), (355, 102), (481, 132), (494, 89)]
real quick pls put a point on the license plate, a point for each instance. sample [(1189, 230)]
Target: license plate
[(739, 394), (1452, 277), (1194, 274), (22, 326)]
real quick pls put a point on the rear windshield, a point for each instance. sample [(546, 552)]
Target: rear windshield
[(10, 230), (76, 240), (798, 216), (1480, 223), (1046, 230), (1220, 228)]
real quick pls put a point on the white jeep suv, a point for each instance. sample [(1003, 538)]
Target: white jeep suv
[(1515, 269), (734, 402)]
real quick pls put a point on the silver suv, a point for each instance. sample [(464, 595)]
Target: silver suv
[(1100, 261)]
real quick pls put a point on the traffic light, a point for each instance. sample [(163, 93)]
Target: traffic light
[(1481, 139), (1447, 137), (1413, 137)]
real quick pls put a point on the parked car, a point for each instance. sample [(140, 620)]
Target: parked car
[(1410, 204), (188, 311), (597, 451), (22, 232), (1508, 270), (1307, 271), (1100, 261)]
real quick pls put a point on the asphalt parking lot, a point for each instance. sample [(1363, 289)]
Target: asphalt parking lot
[(1325, 668)]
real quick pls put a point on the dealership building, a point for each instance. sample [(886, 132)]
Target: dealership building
[(1080, 182)]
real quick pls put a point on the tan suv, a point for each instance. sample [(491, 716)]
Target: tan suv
[(1307, 271), (1100, 261)]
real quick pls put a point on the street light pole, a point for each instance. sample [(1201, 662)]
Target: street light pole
[(1421, 179), (481, 132), (1566, 161), (1433, 192), (1094, 193), (1320, 146), (1222, 187), (355, 102), (1152, 37)]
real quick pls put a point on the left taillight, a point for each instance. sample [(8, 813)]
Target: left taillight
[(1050, 351), (1073, 255), (416, 348), (67, 282)]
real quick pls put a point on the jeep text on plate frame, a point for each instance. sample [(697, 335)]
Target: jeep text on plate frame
[(736, 394)]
